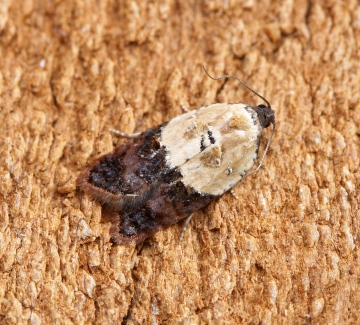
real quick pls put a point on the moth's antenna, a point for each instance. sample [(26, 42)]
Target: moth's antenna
[(243, 82)]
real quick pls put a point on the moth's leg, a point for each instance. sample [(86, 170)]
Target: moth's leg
[(184, 108), (233, 193), (185, 227), (125, 135)]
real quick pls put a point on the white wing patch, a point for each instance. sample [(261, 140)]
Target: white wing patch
[(213, 146)]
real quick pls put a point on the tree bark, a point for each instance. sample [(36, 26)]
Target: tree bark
[(283, 250)]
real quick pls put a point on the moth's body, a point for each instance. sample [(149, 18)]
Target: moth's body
[(172, 170)]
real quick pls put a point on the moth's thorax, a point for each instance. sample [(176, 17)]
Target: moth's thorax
[(212, 147)]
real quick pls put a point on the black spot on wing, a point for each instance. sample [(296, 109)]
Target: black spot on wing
[(211, 138), (202, 143)]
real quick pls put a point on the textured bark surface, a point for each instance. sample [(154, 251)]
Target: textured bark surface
[(285, 251)]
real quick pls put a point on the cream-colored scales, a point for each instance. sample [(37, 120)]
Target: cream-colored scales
[(213, 147)]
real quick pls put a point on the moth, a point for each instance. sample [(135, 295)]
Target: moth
[(168, 172)]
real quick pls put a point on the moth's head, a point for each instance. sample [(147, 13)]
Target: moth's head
[(266, 115)]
